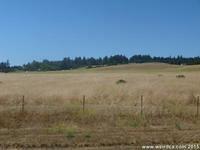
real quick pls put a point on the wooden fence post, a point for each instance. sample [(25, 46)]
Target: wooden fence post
[(197, 107), (142, 105), (83, 103), (22, 109)]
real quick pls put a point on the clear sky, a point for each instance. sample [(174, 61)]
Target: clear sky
[(53, 29)]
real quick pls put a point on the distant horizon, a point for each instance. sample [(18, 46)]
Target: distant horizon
[(10, 61), (58, 59)]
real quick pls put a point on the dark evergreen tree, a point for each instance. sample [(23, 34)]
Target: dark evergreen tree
[(77, 62)]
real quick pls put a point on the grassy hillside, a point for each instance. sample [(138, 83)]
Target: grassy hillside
[(53, 108), (148, 68), (133, 68)]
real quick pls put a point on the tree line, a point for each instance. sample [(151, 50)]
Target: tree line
[(68, 63)]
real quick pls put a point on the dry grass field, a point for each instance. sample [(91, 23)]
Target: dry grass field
[(52, 114)]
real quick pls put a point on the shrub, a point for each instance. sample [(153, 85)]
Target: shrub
[(88, 135), (121, 81), (180, 76), (70, 132)]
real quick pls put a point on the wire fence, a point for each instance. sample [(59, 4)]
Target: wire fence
[(141, 108)]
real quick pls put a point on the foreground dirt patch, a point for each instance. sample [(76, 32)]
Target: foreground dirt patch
[(44, 138)]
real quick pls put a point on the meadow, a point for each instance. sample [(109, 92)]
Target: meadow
[(124, 105)]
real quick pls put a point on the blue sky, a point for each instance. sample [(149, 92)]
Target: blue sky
[(53, 29)]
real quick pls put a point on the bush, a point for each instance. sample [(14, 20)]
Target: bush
[(62, 128), (121, 81), (88, 135), (70, 133), (180, 76)]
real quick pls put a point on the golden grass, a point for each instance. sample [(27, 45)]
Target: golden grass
[(100, 88), (54, 100)]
